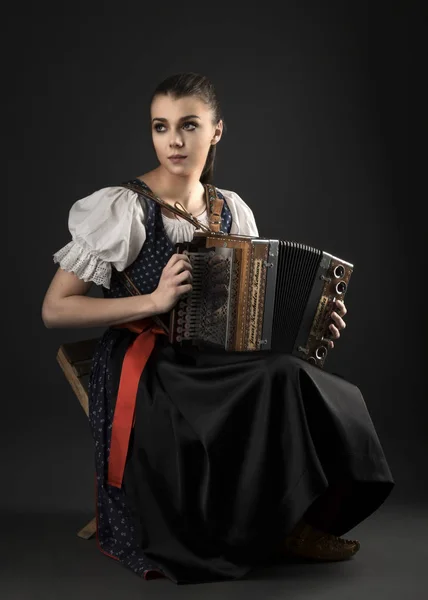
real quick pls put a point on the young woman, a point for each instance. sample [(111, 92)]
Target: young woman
[(208, 463)]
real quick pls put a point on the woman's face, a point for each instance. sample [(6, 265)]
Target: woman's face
[(183, 126)]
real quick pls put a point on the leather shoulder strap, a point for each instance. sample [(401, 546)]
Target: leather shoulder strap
[(215, 207)]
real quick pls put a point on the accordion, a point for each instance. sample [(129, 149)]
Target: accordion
[(250, 293)]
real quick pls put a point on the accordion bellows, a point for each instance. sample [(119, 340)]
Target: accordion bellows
[(259, 294)]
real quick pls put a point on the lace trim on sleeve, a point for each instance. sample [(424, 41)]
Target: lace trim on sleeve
[(73, 258)]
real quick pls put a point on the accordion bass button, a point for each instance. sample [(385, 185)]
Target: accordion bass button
[(339, 271), (341, 287), (321, 352)]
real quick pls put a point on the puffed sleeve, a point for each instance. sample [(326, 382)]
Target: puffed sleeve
[(243, 221), (107, 228)]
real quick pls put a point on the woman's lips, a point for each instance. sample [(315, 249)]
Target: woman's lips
[(177, 159)]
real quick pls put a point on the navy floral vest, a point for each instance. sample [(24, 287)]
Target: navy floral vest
[(146, 270)]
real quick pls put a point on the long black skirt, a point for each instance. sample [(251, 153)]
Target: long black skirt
[(227, 453)]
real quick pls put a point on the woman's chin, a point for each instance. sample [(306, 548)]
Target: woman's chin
[(178, 169)]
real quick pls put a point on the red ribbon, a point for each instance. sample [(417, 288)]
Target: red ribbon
[(134, 362)]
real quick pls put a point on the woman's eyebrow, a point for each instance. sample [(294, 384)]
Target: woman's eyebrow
[(181, 118)]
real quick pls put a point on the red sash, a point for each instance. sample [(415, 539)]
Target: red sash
[(133, 365)]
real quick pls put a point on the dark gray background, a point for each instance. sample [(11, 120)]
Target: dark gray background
[(323, 122), (318, 108)]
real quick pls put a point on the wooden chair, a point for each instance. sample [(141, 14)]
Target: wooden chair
[(74, 359)]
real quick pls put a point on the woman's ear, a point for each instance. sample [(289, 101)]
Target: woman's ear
[(217, 133)]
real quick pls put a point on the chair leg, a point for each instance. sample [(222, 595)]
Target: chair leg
[(89, 530)]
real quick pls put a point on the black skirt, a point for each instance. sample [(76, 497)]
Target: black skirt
[(228, 451)]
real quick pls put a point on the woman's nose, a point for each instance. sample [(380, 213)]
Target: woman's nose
[(176, 140)]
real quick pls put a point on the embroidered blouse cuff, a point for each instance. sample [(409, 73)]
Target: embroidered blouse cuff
[(73, 258)]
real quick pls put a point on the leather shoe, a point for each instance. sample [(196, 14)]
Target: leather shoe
[(307, 542)]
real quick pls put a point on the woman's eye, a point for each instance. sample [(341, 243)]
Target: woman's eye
[(192, 125), (188, 126)]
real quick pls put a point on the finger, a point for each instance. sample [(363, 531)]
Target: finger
[(330, 344), (335, 331), (184, 289), (180, 267), (338, 320), (342, 308), (177, 257), (180, 256), (184, 276)]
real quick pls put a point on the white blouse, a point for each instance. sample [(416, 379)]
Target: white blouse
[(108, 228)]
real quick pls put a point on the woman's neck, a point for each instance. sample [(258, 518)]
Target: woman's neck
[(190, 192), (172, 188)]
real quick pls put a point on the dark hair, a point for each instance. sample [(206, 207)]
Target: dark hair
[(193, 84)]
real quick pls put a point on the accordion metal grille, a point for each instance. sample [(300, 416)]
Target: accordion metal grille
[(204, 314), (214, 313), (297, 268)]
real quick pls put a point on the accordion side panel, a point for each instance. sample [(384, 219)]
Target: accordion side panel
[(256, 295), (242, 298), (244, 244)]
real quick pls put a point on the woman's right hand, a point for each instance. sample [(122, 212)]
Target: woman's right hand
[(175, 281)]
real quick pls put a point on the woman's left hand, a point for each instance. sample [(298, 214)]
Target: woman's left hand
[(339, 323)]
